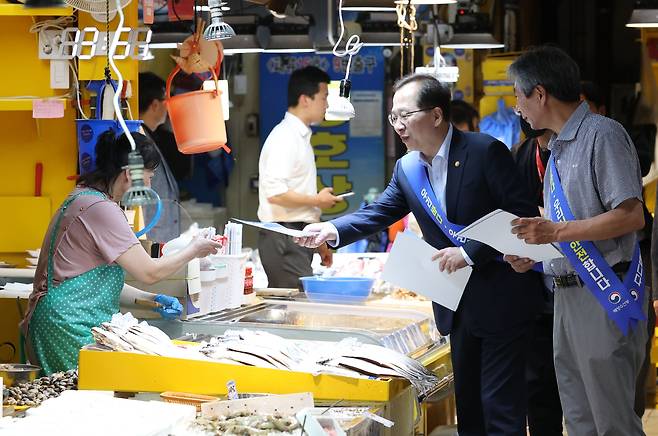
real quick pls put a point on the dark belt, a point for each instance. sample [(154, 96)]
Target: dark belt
[(573, 279), (295, 225)]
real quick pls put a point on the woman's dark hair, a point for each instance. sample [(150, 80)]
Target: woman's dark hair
[(112, 156)]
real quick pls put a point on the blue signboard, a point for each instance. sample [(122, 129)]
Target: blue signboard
[(349, 155)]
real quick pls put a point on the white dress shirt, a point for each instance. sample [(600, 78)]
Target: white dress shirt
[(438, 170), (287, 163)]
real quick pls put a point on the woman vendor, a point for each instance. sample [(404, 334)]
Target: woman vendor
[(79, 280)]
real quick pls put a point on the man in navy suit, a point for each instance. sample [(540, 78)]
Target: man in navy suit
[(473, 174)]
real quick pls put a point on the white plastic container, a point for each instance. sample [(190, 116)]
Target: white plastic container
[(207, 288), (235, 265), (220, 294)]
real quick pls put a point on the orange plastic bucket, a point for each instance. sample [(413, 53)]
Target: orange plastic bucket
[(197, 118)]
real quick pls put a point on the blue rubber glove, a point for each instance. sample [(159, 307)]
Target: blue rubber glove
[(171, 307)]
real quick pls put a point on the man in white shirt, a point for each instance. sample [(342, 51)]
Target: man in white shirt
[(287, 188)]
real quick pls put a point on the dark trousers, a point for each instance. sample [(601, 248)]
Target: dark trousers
[(641, 383), (544, 408), (640, 386), (490, 385), (284, 261)]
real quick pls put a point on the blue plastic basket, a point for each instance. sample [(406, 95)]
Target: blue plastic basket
[(349, 290)]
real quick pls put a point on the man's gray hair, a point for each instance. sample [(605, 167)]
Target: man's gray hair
[(550, 67)]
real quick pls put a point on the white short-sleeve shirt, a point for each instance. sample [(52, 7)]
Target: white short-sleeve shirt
[(287, 163)]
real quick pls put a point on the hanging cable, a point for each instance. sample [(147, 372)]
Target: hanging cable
[(352, 45), (408, 25), (119, 90), (138, 194), (60, 24)]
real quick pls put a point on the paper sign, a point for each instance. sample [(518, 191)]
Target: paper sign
[(148, 12), (47, 108), (275, 227), (368, 119), (495, 230), (231, 390), (410, 266)]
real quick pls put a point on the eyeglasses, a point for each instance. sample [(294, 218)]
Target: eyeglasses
[(404, 116)]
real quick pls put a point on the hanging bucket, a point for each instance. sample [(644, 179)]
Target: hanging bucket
[(88, 132), (197, 118)]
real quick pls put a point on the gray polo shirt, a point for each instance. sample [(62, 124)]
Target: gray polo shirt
[(599, 169)]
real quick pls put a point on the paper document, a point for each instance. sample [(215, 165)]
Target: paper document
[(495, 230), (410, 266), (275, 227)]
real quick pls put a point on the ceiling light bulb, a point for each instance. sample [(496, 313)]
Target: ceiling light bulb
[(217, 29), (643, 18), (444, 74), (472, 41), (138, 194)]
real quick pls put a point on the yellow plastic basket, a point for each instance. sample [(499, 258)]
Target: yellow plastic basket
[(187, 399)]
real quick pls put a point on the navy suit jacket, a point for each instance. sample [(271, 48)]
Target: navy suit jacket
[(482, 177)]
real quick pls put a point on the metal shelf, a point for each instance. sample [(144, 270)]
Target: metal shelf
[(20, 10), (22, 104)]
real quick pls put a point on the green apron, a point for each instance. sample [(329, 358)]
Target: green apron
[(63, 318)]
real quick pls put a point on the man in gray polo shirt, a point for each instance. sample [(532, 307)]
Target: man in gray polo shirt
[(596, 364)]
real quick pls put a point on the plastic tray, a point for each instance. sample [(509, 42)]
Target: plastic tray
[(350, 290)]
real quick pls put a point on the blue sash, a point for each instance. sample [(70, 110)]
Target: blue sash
[(621, 301), (417, 176)]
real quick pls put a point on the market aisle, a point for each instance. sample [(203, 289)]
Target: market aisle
[(649, 420)]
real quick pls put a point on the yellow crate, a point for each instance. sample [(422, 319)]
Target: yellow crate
[(131, 372), (495, 67), (495, 80)]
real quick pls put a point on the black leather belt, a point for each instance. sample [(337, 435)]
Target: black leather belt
[(573, 279), (295, 225)]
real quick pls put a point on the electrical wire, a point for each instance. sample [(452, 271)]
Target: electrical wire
[(117, 95), (154, 220), (352, 45), (60, 23)]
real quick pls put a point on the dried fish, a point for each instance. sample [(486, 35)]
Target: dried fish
[(362, 366), (141, 338), (244, 358), (348, 357), (110, 339)]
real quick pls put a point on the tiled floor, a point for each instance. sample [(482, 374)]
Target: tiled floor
[(649, 420)]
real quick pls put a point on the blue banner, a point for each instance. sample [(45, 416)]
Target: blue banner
[(419, 181), (621, 301), (349, 155)]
